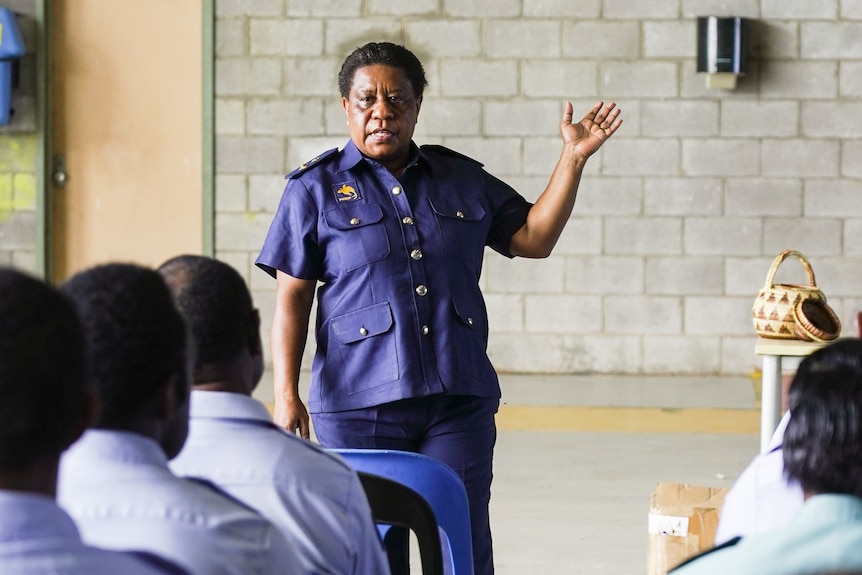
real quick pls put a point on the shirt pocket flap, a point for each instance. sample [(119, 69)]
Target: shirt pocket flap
[(470, 314), (362, 323), (354, 216), (469, 210)]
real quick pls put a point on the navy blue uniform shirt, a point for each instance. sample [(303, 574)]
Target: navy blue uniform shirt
[(400, 313)]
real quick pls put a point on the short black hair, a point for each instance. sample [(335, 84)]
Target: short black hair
[(136, 337), (216, 304), (385, 53), (823, 440), (42, 371)]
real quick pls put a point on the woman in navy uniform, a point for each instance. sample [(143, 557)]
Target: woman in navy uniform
[(395, 234)]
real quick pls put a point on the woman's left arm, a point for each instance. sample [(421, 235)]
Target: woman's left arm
[(548, 216)]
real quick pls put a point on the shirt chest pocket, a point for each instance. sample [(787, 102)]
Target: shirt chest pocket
[(462, 226), (358, 234)]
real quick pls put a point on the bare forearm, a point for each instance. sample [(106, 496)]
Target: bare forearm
[(289, 334)]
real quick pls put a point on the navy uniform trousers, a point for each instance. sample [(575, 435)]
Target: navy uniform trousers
[(457, 429)]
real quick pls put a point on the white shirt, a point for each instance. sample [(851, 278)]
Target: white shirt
[(119, 490), (761, 499), (39, 538), (314, 496)]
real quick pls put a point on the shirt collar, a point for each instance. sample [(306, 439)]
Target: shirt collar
[(117, 446), (30, 516), (831, 506), (226, 405), (351, 156)]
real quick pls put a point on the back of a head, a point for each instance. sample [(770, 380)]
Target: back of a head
[(135, 335), (42, 371), (215, 303), (823, 441)]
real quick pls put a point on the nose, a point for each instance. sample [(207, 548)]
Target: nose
[(383, 109)]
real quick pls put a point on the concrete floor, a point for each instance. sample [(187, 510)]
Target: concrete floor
[(578, 457)]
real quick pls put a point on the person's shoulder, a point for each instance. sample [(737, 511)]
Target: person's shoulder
[(315, 162), (436, 150), (321, 456)]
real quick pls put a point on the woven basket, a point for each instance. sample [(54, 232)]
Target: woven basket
[(816, 321), (772, 311)]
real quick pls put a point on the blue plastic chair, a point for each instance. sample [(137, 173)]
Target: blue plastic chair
[(438, 484)]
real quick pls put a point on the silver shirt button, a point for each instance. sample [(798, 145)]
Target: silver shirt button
[(459, 214), (363, 331), (421, 290), (396, 190), (416, 254), (469, 321), (354, 221), (407, 221), (425, 330)]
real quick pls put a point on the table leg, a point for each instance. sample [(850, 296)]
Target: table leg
[(770, 399)]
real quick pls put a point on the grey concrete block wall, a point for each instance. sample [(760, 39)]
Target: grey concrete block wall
[(678, 217)]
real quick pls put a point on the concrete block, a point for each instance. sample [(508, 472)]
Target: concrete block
[(482, 8), (681, 355), (723, 236), (601, 39), (838, 276), (343, 35), (230, 37), (445, 38), (803, 79), (563, 313), (291, 37), (501, 156), (325, 8), (311, 76), (241, 262), (565, 354), (763, 196), (853, 237), (523, 118), (250, 7), (400, 8), (562, 8), (549, 78), (800, 157), (833, 198), (542, 154), (302, 149), (685, 276), (264, 192), (229, 116), (295, 116), (230, 193), (745, 276), (641, 79), (605, 275), (609, 196), (643, 315), (657, 9), (680, 118), (721, 157), (746, 8), (759, 119), (798, 10), (670, 39), (832, 119), (777, 40), (682, 196), (505, 312), (643, 157), (526, 276), (831, 40), (850, 79), (717, 316), (235, 154), (522, 38), (241, 231), (850, 10), (528, 186), (451, 117), (811, 236), (643, 236), (248, 76), (473, 77), (18, 231), (738, 357), (582, 235), (692, 84)]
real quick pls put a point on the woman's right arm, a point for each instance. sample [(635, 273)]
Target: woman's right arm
[(294, 298)]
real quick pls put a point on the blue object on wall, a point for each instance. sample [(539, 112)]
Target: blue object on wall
[(11, 47)]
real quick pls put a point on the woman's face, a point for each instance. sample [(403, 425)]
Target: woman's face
[(382, 110)]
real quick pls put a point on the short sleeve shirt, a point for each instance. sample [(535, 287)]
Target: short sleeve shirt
[(400, 313)]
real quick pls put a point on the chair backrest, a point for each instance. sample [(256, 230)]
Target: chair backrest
[(393, 503), (437, 483)]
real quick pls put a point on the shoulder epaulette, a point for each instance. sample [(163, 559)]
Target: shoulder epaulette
[(313, 162), (444, 151)]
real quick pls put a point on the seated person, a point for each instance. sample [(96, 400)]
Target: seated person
[(314, 497), (822, 452), (44, 407), (115, 481)]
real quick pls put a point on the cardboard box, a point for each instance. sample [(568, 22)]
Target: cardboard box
[(683, 519)]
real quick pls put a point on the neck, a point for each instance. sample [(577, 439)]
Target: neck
[(230, 377)]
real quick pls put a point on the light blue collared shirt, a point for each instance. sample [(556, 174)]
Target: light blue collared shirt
[(314, 496), (119, 490)]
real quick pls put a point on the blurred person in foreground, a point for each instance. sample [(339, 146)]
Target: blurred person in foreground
[(115, 481), (822, 451), (313, 496), (44, 407)]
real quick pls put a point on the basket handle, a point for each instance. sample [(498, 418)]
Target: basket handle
[(777, 262)]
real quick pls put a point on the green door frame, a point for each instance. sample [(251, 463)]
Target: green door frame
[(44, 137)]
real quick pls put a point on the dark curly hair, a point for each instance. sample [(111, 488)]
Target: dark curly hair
[(42, 371), (216, 304), (385, 53), (823, 440), (136, 337)]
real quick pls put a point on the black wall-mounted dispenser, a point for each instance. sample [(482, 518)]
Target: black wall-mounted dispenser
[(721, 49)]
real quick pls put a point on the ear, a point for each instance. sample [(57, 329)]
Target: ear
[(255, 345), (167, 398), (344, 105)]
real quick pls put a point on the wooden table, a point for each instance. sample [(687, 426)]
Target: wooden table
[(773, 350)]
